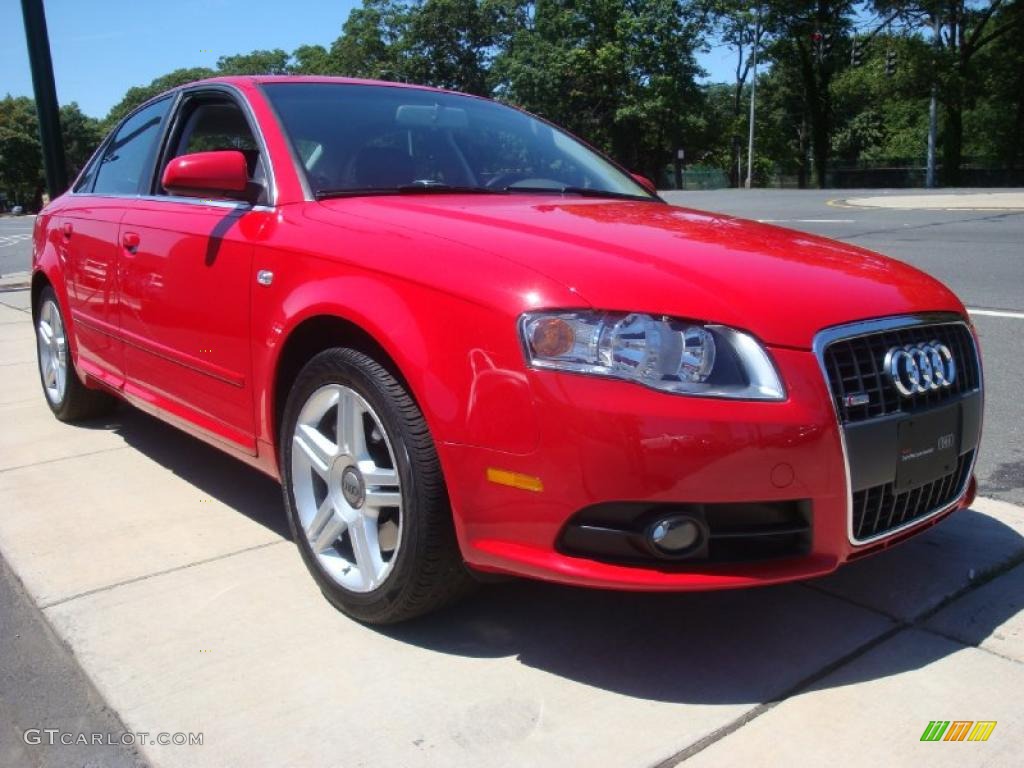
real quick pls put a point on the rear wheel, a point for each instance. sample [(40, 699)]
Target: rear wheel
[(67, 396), (364, 492)]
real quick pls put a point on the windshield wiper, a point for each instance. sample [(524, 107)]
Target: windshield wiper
[(581, 191), (406, 189)]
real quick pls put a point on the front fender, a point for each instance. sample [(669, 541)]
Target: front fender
[(461, 360)]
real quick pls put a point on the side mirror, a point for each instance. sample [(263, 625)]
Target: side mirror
[(644, 182), (209, 174)]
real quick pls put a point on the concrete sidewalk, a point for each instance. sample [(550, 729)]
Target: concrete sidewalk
[(942, 201), (165, 568)]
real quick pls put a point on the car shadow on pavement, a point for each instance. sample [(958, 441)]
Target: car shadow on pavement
[(213, 472), (727, 647), (724, 647)]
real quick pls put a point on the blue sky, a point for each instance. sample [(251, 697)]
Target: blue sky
[(103, 47)]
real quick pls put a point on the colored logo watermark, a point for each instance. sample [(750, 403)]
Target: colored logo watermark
[(958, 730)]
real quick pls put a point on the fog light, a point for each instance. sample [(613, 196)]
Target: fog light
[(675, 535)]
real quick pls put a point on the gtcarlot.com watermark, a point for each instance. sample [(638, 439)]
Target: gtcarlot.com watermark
[(55, 736)]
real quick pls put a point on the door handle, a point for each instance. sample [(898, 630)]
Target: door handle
[(68, 230), (130, 241)]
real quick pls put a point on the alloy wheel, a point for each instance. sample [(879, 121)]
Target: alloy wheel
[(347, 489), (52, 343)]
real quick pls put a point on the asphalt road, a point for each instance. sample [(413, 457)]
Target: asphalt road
[(980, 254), (42, 687), (15, 245)]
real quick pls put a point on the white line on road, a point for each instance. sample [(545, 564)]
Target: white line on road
[(8, 240), (996, 313)]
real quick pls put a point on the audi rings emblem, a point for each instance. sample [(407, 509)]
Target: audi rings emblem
[(916, 369)]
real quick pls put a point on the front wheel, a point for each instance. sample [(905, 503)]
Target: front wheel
[(364, 492)]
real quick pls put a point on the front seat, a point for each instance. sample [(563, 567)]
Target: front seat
[(383, 168)]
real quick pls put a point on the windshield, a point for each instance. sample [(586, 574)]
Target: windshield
[(369, 139)]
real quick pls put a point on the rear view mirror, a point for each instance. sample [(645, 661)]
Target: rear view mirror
[(208, 174), (421, 116)]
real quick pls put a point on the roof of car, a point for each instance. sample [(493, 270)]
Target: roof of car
[(261, 79)]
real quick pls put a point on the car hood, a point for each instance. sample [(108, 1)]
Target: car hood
[(781, 285)]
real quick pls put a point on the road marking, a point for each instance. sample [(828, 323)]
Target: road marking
[(9, 240), (841, 203), (808, 221), (996, 313)]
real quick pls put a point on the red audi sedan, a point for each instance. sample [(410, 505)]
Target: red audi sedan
[(466, 342)]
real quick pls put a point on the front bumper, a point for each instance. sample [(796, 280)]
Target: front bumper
[(607, 441)]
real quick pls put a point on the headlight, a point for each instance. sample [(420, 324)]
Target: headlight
[(663, 353)]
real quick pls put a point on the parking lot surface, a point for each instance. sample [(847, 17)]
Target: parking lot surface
[(165, 570)]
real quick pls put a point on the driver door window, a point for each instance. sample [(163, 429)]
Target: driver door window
[(213, 124)]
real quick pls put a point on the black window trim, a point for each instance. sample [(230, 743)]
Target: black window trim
[(177, 97), (297, 166), (300, 169), (187, 94), (101, 150)]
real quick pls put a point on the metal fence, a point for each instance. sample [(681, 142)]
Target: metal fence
[(695, 177), (903, 172)]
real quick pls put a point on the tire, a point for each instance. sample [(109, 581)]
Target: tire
[(68, 398), (364, 492)]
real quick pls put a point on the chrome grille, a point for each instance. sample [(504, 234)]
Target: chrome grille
[(855, 366)]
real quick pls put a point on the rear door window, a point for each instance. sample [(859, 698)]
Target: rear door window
[(128, 159)]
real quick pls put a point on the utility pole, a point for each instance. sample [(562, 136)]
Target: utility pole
[(753, 94), (46, 96), (933, 127)]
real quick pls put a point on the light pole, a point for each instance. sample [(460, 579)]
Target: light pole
[(46, 96), (933, 127), (753, 94)]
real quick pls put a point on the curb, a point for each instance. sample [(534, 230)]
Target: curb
[(15, 280), (879, 203)]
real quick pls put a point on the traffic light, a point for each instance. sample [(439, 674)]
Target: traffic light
[(890, 63), (826, 44), (822, 44), (856, 54)]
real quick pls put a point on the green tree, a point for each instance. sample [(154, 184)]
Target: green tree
[(21, 166), (21, 174), (965, 29), (995, 128), (312, 60), (881, 117), (81, 134), (450, 43), (619, 73), (371, 42), (807, 36), (142, 93), (262, 62)]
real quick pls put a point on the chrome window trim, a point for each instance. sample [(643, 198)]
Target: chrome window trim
[(250, 117), (101, 150), (177, 95), (233, 204), (868, 328)]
